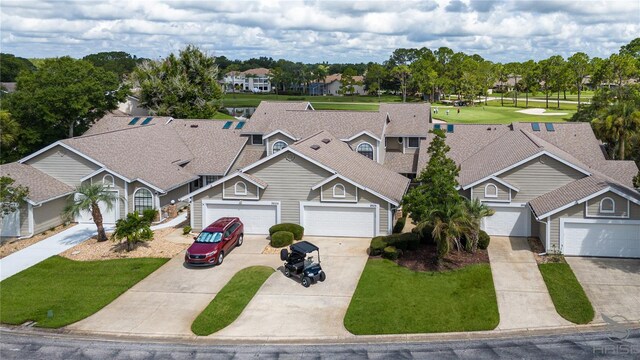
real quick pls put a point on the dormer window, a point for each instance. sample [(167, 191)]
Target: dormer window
[(365, 149), (339, 191), (240, 188), (279, 145), (256, 140), (607, 205), (491, 191), (413, 142)]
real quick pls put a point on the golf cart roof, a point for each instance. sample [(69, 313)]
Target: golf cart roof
[(304, 247)]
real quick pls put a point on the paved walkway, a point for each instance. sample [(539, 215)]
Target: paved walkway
[(171, 223), (523, 298), (44, 249)]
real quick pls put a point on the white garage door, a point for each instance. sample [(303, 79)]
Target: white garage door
[(10, 224), (257, 219), (339, 221), (108, 216), (599, 239), (508, 221)]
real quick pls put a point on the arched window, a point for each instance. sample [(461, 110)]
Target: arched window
[(107, 180), (365, 149), (142, 200), (279, 145), (240, 188), (338, 191), (491, 191), (607, 205)]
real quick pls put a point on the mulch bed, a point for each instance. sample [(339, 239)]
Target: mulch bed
[(425, 259), (537, 248)]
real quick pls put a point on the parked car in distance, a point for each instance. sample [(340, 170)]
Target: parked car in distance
[(215, 242)]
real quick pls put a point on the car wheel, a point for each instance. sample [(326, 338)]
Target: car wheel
[(220, 258), (306, 281), (240, 240), (323, 276), (287, 272)]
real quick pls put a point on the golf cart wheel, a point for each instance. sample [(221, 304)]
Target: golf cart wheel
[(221, 258), (284, 254), (306, 281), (287, 272), (240, 240), (323, 276)]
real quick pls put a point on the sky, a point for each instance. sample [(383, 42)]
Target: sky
[(317, 31)]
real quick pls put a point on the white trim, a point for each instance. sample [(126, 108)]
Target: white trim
[(113, 181), (501, 181), (378, 151), (412, 137), (589, 221), (389, 220), (126, 197), (364, 132), (192, 215), (486, 195), (68, 147), (512, 166), (239, 202), (336, 176), (548, 229), (309, 106), (275, 143), (153, 197), (512, 205), (333, 199), (239, 196), (344, 191), (499, 204), (363, 143), (587, 198), (376, 224), (613, 206), (267, 136), (103, 169), (611, 214), (50, 199), (237, 156), (235, 188)]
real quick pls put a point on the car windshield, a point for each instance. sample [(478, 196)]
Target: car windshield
[(209, 237)]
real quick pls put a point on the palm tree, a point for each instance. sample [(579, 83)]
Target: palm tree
[(134, 229), (87, 198), (449, 223), (622, 122), (476, 210)]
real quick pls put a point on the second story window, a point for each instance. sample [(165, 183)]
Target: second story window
[(256, 139), (279, 145), (365, 149), (413, 142)]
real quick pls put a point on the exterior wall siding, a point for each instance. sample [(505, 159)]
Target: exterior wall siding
[(63, 165), (367, 197), (24, 220), (230, 193), (368, 139), (275, 138), (621, 210), (118, 184), (392, 144), (214, 193), (174, 194), (542, 232), (48, 215), (503, 192), (537, 177), (351, 192)]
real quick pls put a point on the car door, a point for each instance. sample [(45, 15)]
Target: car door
[(227, 239)]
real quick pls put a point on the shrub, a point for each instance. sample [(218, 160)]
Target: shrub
[(397, 228), (483, 240), (281, 239), (425, 234), (390, 253), (405, 241), (377, 245), (295, 229), (186, 230), (149, 215)]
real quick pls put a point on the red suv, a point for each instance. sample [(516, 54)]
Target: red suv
[(215, 241)]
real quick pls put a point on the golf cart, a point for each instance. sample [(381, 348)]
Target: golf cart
[(298, 263)]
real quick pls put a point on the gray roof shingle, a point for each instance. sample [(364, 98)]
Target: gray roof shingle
[(42, 187)]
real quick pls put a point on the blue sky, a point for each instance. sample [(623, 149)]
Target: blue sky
[(315, 31)]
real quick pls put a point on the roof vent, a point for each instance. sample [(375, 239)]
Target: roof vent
[(489, 128), (194, 125), (315, 147), (326, 141)]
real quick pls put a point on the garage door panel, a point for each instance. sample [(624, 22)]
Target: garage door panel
[(507, 221), (257, 219), (598, 239), (339, 221)]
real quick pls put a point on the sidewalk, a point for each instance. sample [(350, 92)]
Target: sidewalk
[(46, 248)]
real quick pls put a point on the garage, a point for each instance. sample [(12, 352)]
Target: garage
[(108, 216), (606, 238), (339, 220), (257, 217), (508, 221)]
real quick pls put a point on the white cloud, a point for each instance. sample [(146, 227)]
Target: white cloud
[(318, 30)]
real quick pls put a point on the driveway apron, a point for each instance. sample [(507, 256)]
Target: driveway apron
[(523, 299), (612, 286)]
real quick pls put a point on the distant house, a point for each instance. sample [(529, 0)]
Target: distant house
[(7, 87), (332, 85), (131, 106), (254, 80)]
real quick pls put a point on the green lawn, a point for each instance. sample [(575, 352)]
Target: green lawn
[(566, 292), (252, 100), (522, 104), (480, 114), (72, 290), (231, 300), (223, 116), (343, 106), (391, 299)]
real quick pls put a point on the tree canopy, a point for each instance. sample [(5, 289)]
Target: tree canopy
[(12, 66), (118, 62), (11, 197), (183, 86)]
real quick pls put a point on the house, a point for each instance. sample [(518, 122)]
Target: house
[(333, 84), (131, 106), (254, 80), (550, 181)]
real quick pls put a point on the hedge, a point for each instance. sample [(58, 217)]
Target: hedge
[(397, 228), (377, 245), (390, 253), (295, 229), (404, 241), (483, 240), (281, 239)]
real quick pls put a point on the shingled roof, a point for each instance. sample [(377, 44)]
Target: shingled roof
[(42, 187)]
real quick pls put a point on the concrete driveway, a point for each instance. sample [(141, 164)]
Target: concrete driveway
[(284, 309), (612, 285), (523, 299), (167, 301)]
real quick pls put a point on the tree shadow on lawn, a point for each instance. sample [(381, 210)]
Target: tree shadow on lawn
[(425, 259)]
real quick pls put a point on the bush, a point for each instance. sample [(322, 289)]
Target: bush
[(186, 230), (295, 229), (397, 228), (281, 239), (405, 241), (483, 240), (377, 245), (425, 234), (390, 253), (149, 215)]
